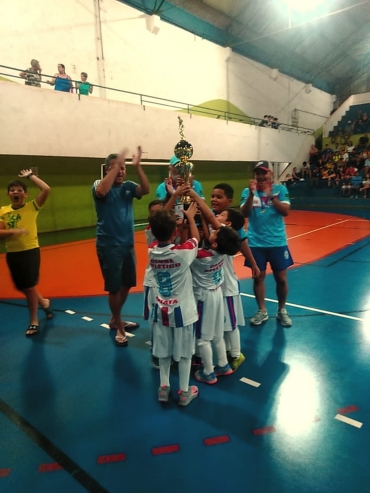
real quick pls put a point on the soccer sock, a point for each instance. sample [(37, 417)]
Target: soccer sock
[(164, 371), (219, 343), (206, 353), (234, 339), (184, 373), (227, 340)]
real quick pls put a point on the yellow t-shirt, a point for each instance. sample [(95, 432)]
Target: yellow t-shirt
[(24, 217)]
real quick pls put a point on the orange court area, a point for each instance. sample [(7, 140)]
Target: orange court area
[(72, 269)]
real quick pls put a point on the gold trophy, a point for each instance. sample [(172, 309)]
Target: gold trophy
[(183, 151)]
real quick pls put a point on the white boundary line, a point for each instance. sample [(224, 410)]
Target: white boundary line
[(317, 310), (348, 421), (319, 229)]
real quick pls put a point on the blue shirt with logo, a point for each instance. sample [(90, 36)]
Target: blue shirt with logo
[(115, 224), (266, 226)]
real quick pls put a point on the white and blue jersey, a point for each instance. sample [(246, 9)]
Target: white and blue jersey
[(172, 297), (207, 270), (115, 224), (266, 226)]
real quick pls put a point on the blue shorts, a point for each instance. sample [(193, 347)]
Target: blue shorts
[(278, 257), (118, 266)]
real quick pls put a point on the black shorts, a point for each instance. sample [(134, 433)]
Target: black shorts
[(24, 268), (118, 266)]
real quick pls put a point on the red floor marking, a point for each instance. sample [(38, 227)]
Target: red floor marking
[(4, 472), (347, 410), (264, 430), (216, 440), (103, 459), (167, 449), (53, 466)]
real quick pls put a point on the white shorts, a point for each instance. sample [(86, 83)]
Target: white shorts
[(178, 342), (234, 313), (210, 306)]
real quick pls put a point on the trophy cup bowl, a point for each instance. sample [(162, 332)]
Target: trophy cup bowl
[(183, 151)]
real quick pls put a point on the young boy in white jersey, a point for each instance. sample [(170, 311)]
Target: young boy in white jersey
[(222, 196), (173, 304), (208, 277)]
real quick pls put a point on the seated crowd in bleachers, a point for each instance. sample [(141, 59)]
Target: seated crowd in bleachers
[(345, 167)]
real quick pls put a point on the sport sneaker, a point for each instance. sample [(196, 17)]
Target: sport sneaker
[(259, 317), (284, 318), (223, 370), (237, 361), (186, 397), (202, 377), (163, 393)]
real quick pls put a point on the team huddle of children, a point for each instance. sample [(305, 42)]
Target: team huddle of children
[(191, 293)]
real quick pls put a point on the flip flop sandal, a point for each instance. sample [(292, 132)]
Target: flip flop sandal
[(34, 328), (131, 325), (48, 312), (121, 340)]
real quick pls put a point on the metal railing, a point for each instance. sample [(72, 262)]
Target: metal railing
[(188, 108)]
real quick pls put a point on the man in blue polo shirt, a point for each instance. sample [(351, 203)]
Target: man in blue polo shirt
[(169, 185), (265, 204), (113, 197)]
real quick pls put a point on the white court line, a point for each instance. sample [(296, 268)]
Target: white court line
[(250, 382), (70, 312), (106, 326), (317, 310), (318, 229), (348, 421), (88, 319), (149, 343), (309, 232)]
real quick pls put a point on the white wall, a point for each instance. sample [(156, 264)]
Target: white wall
[(63, 125), (173, 64)]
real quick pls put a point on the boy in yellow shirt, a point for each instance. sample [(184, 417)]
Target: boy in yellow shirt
[(18, 228)]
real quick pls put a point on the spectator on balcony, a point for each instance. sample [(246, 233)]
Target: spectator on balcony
[(350, 147), (32, 74), (365, 122), (264, 122), (275, 123), (344, 154), (61, 81), (348, 129), (84, 88), (332, 175), (355, 182), (350, 170), (305, 170), (365, 184), (288, 182), (296, 175), (326, 151), (313, 157), (363, 142)]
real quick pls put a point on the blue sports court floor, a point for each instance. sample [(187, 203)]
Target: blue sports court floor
[(81, 414)]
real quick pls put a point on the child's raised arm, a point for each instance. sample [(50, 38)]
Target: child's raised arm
[(190, 214), (205, 210)]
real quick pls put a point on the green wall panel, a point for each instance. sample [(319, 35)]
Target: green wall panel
[(70, 205)]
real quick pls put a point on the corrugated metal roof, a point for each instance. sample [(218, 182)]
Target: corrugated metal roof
[(329, 46)]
